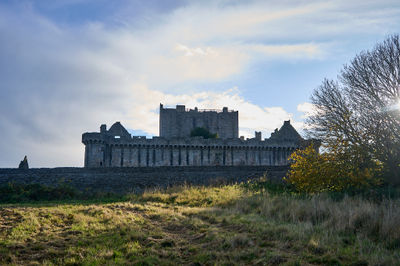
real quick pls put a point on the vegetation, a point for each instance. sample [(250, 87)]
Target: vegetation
[(19, 193), (203, 132), (312, 172), (252, 223), (358, 116)]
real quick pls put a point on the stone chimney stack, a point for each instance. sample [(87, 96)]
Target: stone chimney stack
[(180, 108), (103, 128)]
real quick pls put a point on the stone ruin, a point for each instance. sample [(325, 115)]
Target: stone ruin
[(24, 164)]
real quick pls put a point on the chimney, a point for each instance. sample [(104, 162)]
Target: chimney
[(103, 128), (180, 108)]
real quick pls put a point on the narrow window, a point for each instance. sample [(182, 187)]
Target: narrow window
[(147, 156), (179, 157), (171, 157)]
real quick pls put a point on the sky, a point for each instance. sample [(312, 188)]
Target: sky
[(68, 66)]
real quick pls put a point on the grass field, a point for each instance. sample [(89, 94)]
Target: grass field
[(225, 225)]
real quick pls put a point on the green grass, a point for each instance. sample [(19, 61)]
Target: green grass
[(31, 193), (253, 223)]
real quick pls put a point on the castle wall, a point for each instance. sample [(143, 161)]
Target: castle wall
[(135, 179), (151, 154), (94, 154)]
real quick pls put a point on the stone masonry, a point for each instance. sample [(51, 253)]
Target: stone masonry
[(179, 122), (117, 148), (122, 180)]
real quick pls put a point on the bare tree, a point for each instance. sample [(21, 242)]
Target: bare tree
[(362, 107)]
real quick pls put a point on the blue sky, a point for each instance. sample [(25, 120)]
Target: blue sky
[(68, 66)]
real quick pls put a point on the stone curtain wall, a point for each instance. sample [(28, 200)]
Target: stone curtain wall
[(98, 154), (134, 180), (117, 148)]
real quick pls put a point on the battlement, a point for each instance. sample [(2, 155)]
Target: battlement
[(182, 108), (118, 135)]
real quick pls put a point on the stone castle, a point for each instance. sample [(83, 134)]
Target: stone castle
[(115, 147)]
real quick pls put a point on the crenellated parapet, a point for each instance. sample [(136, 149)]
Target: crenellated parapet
[(93, 138)]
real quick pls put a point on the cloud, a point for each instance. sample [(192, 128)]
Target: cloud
[(195, 51), (308, 50), (252, 117), (59, 80), (308, 109)]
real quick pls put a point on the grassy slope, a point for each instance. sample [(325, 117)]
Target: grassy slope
[(222, 225)]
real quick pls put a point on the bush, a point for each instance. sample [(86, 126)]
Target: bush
[(203, 132), (311, 172), (264, 184), (12, 193)]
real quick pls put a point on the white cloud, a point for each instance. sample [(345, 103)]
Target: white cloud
[(308, 109), (195, 51), (144, 116), (309, 50), (58, 81)]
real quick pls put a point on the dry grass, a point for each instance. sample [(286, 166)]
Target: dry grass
[(226, 225)]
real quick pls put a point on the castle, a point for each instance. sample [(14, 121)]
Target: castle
[(115, 147)]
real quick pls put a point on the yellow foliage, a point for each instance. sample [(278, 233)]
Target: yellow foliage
[(312, 172)]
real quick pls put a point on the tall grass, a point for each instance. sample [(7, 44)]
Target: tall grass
[(252, 223), (322, 221), (351, 215), (193, 196)]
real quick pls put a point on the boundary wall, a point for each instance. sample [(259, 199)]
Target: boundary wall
[(122, 180)]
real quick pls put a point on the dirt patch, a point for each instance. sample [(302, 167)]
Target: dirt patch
[(8, 219)]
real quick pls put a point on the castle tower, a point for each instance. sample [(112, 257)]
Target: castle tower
[(179, 122), (98, 146)]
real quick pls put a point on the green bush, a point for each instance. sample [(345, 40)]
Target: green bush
[(203, 132), (12, 193)]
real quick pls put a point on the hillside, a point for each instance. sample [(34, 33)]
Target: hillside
[(234, 224)]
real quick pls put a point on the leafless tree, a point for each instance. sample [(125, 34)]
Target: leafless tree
[(363, 107)]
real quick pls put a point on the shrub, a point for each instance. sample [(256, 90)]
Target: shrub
[(12, 193), (203, 132), (311, 172)]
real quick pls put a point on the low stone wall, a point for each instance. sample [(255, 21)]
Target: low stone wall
[(123, 180)]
